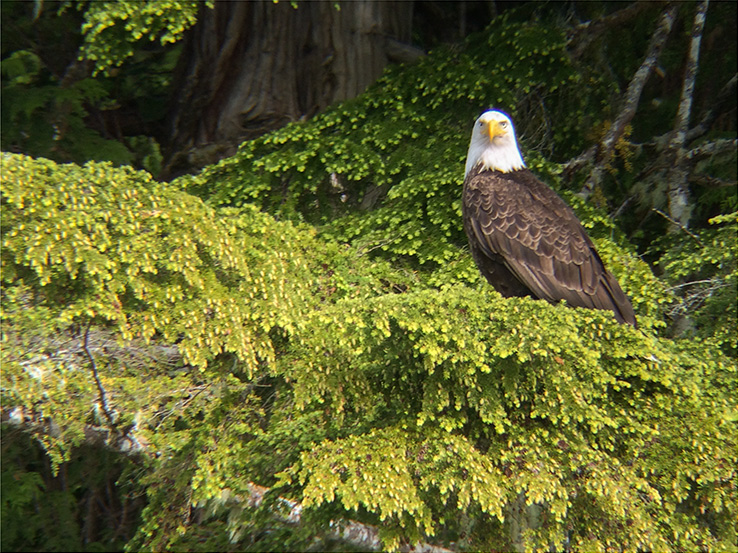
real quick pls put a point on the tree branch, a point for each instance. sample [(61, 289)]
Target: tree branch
[(102, 397), (581, 36), (710, 149), (678, 225), (576, 163), (712, 182), (677, 177), (723, 99), (632, 97)]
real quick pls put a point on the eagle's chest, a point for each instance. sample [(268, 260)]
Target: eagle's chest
[(492, 194)]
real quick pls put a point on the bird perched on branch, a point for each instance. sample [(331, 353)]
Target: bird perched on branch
[(525, 240)]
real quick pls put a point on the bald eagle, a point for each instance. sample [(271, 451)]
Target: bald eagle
[(525, 240)]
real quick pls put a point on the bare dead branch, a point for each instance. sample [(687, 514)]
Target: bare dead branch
[(576, 163), (615, 214), (690, 73), (581, 36), (720, 283), (710, 149), (698, 291), (66, 347), (102, 397), (401, 52), (632, 97), (712, 182), (677, 177)]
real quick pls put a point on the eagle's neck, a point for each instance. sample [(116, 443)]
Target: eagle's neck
[(492, 157)]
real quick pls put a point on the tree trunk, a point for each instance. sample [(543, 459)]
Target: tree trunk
[(251, 67)]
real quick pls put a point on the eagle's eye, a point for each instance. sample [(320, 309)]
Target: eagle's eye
[(503, 124)]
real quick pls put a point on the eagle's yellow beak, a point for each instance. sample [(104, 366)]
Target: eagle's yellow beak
[(495, 129)]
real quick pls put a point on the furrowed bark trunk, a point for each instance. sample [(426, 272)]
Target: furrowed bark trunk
[(251, 67)]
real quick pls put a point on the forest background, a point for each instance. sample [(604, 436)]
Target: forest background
[(238, 309)]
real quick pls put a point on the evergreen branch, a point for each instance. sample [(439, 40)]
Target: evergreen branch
[(358, 534)]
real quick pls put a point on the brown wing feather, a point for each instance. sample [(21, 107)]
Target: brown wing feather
[(527, 241)]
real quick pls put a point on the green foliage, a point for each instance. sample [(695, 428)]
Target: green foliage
[(109, 246), (112, 29), (702, 270), (279, 330), (21, 67), (344, 383), (40, 117), (53, 107), (45, 513), (563, 408)]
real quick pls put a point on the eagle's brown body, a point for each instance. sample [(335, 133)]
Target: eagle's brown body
[(527, 242)]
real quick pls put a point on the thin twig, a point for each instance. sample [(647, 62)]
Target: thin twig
[(679, 225), (695, 282), (615, 214)]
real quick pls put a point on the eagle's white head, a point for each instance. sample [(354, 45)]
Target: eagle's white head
[(493, 143)]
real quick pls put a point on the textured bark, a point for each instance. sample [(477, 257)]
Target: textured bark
[(251, 67)]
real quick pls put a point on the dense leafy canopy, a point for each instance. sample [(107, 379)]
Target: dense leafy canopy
[(270, 322)]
